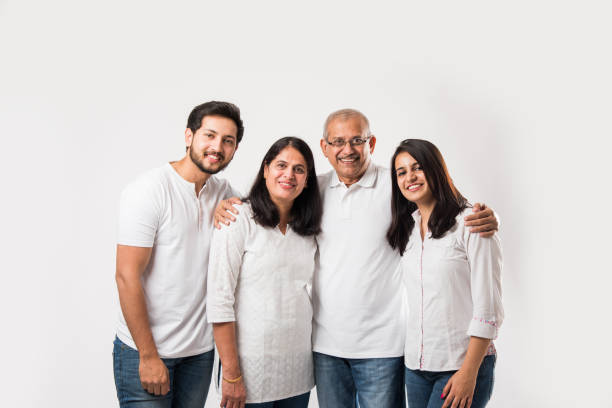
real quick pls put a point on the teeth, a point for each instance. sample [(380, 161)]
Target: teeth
[(414, 187)]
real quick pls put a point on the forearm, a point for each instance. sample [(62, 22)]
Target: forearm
[(134, 308), (476, 351), (225, 339)]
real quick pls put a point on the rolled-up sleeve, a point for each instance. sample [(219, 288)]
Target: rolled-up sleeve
[(224, 265), (485, 259)]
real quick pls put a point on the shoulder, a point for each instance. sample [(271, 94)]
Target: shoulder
[(381, 169), (243, 225), (149, 183), (324, 178), (218, 184)]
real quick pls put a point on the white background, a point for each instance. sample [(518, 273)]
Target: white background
[(517, 95)]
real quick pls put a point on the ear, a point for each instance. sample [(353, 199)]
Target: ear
[(372, 143), (188, 137), (324, 146), (266, 171)]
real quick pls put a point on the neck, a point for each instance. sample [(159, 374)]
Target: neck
[(191, 173), (284, 212), (425, 208)]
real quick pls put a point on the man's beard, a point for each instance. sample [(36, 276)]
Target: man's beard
[(198, 162)]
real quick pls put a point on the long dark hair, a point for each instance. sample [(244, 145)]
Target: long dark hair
[(307, 208), (449, 202)]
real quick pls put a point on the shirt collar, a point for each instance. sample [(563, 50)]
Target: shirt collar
[(367, 180)]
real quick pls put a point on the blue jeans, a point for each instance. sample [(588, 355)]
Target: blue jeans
[(363, 382), (424, 388), (299, 401), (189, 380)]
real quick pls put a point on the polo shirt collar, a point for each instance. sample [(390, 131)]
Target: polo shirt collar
[(367, 180)]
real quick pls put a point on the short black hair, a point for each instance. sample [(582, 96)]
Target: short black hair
[(307, 209), (215, 108), (449, 202)]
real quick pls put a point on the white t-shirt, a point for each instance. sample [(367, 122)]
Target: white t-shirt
[(160, 209), (260, 279), (357, 296), (454, 292)]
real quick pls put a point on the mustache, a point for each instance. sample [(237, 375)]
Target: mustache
[(348, 156), (221, 155)]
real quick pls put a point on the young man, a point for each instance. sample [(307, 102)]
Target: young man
[(163, 352)]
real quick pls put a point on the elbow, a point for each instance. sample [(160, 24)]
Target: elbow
[(122, 279)]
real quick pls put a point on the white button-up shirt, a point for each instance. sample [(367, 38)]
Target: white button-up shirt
[(454, 292), (357, 296), (260, 279)]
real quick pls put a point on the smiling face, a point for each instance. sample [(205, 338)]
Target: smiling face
[(411, 180), (212, 146), (350, 162), (286, 176)]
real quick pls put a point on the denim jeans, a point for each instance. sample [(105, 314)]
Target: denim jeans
[(359, 382), (189, 380), (424, 388), (299, 401)]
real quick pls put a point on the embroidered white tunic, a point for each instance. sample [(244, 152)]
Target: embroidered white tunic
[(261, 279), (454, 292)]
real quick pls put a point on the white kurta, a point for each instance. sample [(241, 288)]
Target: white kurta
[(261, 279), (454, 292)]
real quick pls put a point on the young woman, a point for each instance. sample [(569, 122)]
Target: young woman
[(453, 281), (259, 280)]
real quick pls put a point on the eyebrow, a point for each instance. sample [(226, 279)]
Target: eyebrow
[(350, 137), (215, 132)]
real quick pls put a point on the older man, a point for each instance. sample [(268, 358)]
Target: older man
[(358, 328)]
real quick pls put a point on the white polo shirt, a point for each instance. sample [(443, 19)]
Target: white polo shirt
[(161, 210), (357, 297)]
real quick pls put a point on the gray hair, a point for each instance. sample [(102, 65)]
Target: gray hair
[(345, 114)]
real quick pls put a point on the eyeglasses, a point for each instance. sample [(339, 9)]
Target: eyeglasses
[(340, 143)]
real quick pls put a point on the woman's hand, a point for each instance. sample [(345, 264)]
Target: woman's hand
[(459, 390), (224, 210), (233, 394)]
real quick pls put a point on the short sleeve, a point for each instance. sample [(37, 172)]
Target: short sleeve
[(140, 209)]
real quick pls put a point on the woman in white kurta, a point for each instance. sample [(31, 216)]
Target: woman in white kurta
[(259, 280), (453, 282)]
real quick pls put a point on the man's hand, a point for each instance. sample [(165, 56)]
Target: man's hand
[(154, 375), (233, 394), (223, 212), (459, 390), (482, 220)]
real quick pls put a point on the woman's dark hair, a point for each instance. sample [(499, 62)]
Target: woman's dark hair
[(307, 208), (449, 202), (216, 108)]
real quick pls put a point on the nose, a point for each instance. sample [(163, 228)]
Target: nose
[(347, 149), (411, 176), (216, 143), (289, 173)]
